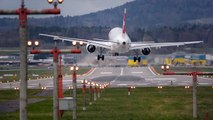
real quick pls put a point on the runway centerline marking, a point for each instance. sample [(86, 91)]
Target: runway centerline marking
[(122, 71)]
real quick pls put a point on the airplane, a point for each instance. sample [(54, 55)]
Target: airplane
[(118, 42)]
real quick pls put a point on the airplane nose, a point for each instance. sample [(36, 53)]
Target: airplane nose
[(124, 43)]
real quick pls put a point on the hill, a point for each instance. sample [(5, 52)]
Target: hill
[(156, 20)]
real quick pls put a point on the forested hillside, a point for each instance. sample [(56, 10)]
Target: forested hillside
[(159, 34), (147, 20)]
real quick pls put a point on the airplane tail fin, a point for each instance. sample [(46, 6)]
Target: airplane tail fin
[(124, 21)]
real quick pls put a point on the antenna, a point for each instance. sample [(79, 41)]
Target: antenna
[(22, 3)]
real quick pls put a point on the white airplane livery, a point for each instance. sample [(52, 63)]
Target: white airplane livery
[(118, 42)]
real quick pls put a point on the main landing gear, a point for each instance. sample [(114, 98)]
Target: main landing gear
[(101, 56), (116, 54)]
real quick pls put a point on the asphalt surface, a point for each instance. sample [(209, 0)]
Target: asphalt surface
[(118, 77)]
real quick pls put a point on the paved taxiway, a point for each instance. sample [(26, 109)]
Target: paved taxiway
[(119, 77)]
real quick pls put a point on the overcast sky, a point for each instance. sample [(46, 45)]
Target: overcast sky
[(69, 7)]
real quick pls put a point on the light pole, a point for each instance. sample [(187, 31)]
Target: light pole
[(130, 89), (57, 88), (74, 77), (165, 68), (84, 82), (95, 91), (60, 85), (23, 12), (90, 91), (99, 90), (17, 90)]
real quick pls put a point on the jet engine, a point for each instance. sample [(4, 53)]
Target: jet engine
[(146, 51), (90, 48)]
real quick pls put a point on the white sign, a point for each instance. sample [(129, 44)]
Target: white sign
[(8, 75), (35, 75)]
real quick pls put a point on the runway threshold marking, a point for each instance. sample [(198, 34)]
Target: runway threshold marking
[(204, 83), (106, 72), (122, 84), (137, 72), (160, 79)]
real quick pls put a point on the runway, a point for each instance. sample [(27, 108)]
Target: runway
[(141, 77), (118, 77)]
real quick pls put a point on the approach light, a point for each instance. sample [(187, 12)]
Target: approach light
[(60, 1), (74, 43), (36, 43), (84, 81), (76, 68), (93, 83), (43, 88), (50, 1), (29, 43), (81, 43), (72, 68), (16, 88), (167, 67)]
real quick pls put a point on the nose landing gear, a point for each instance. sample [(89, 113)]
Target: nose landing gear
[(137, 59)]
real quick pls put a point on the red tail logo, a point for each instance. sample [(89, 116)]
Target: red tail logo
[(124, 21)]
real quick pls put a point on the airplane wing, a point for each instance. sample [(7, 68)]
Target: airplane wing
[(159, 45), (104, 44)]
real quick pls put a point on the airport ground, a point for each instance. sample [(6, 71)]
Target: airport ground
[(116, 76), (173, 102), (147, 102)]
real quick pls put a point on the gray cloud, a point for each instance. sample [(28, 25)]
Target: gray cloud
[(69, 7)]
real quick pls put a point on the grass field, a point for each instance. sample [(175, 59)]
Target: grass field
[(169, 103), (6, 95)]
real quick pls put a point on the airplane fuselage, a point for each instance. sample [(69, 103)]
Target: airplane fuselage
[(120, 41)]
